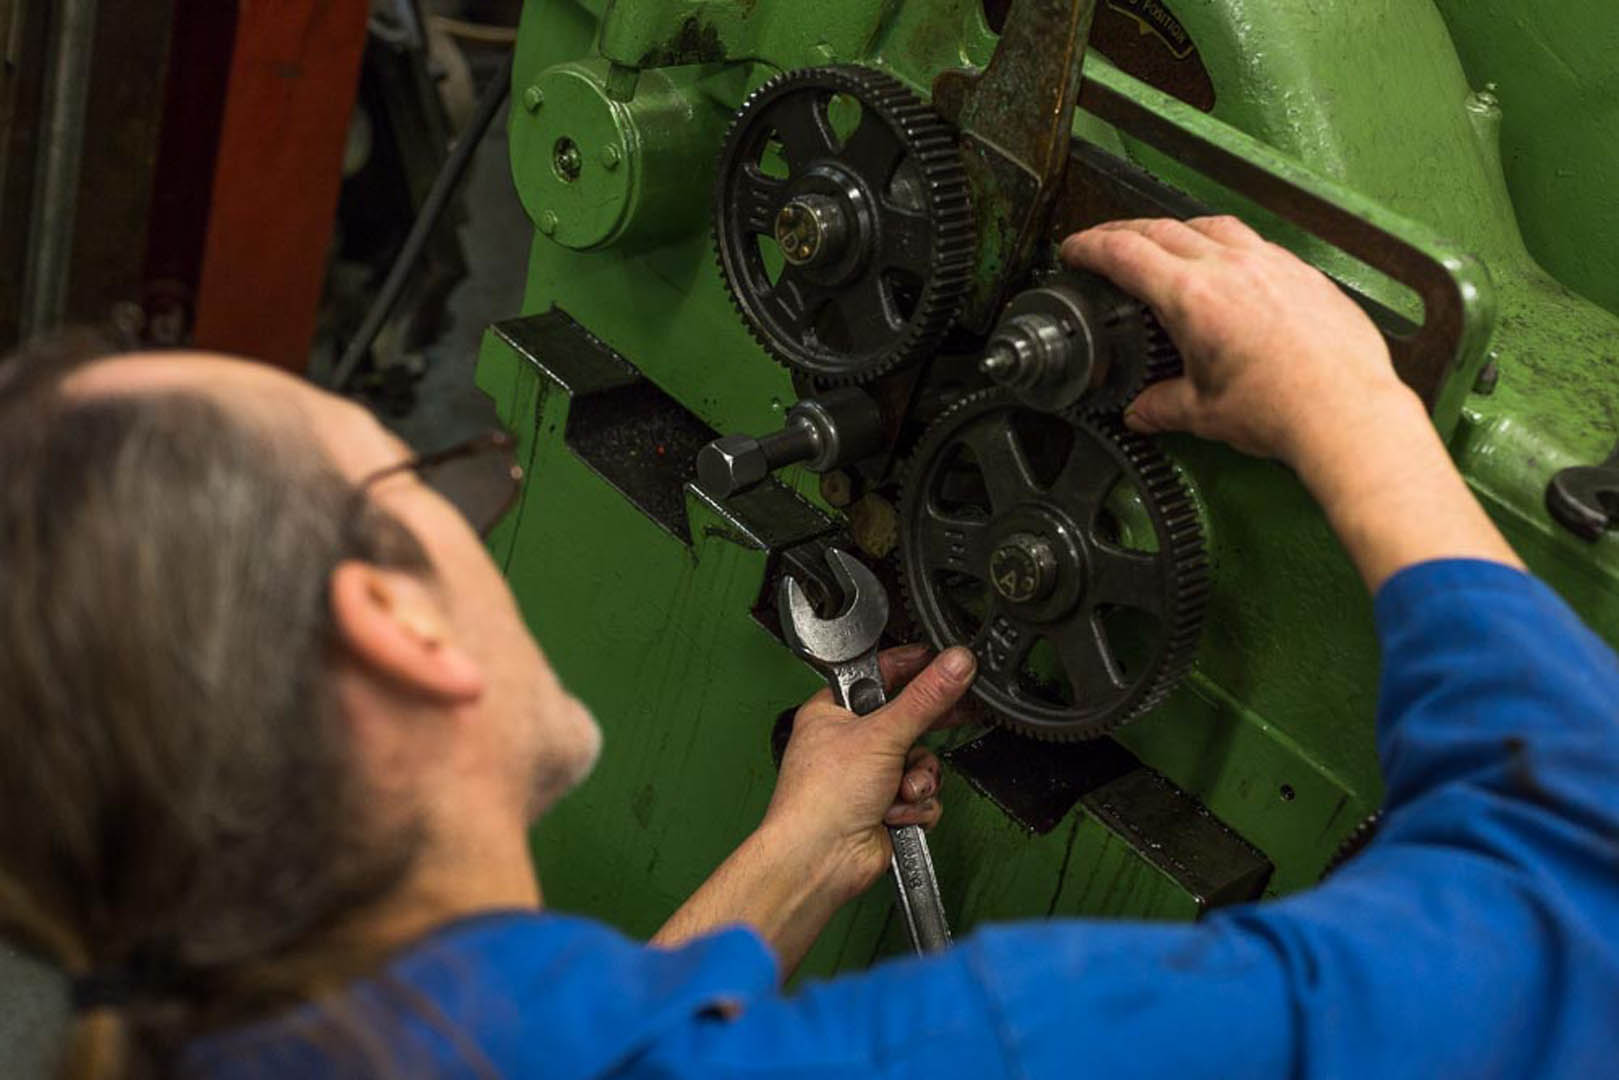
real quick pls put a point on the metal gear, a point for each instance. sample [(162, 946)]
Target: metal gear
[(1353, 844), (1076, 344), (1158, 360), (874, 231), (1067, 553)]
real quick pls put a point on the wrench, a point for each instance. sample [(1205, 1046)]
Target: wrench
[(844, 649), (1585, 499)]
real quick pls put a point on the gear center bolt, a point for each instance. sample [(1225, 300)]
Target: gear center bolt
[(811, 229), (566, 160), (1023, 568)]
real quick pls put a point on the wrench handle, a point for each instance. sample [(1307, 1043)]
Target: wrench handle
[(858, 687), (858, 684), (917, 888)]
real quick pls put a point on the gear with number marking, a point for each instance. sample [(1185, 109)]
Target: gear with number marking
[(843, 222), (1066, 552)]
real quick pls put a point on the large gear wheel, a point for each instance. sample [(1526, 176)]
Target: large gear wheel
[(1067, 553), (846, 256)]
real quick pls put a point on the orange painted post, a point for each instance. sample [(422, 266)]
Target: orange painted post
[(294, 74)]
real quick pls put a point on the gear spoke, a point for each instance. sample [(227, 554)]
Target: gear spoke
[(1086, 477), (1003, 644), (1123, 578), (908, 242), (797, 301), (759, 198), (1083, 649), (875, 150), (999, 452), (867, 308), (954, 543), (801, 123)]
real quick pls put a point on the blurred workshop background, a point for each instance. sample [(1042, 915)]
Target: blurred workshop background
[(254, 170)]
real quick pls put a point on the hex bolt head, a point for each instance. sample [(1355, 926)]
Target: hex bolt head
[(731, 464), (610, 156), (549, 223), (533, 98)]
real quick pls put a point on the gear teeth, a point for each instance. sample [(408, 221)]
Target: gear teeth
[(1354, 843), (931, 144), (1159, 360), (1181, 546), (1163, 359)]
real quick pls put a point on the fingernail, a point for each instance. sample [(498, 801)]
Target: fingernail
[(914, 652), (958, 662), (924, 788)]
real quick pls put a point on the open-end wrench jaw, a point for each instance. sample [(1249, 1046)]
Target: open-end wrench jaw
[(854, 631)]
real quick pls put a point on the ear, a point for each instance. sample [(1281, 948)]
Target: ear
[(391, 622)]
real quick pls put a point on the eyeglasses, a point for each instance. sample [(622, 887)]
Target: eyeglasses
[(479, 477)]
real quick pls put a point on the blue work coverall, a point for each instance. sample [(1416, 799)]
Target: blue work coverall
[(1477, 935)]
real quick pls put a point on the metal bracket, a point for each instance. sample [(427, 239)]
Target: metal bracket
[(642, 441), (1164, 825), (1017, 123)]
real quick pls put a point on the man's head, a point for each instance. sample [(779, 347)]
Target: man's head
[(443, 639), (246, 695)]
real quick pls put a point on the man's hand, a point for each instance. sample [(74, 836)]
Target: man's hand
[(844, 777), (1269, 341), (1280, 363)]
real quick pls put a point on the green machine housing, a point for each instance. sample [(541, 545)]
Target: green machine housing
[(1452, 162)]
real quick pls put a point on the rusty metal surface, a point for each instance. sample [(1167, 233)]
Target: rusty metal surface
[(125, 117), (22, 82), (1145, 39), (193, 107), (1016, 121), (128, 125)]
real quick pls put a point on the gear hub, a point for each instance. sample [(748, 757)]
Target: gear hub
[(1067, 553), (846, 254), (1077, 344)]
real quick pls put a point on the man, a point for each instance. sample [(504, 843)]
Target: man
[(276, 826)]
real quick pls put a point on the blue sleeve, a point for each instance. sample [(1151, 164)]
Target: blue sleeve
[(1478, 935)]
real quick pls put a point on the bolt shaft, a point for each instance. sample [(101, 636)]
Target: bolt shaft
[(796, 442)]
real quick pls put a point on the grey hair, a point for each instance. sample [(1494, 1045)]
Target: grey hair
[(180, 800)]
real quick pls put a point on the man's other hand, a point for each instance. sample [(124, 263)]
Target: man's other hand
[(1269, 341), (845, 777), (1281, 363)]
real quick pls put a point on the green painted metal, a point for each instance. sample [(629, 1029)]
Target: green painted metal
[(1273, 731), (1553, 63), (598, 168)]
